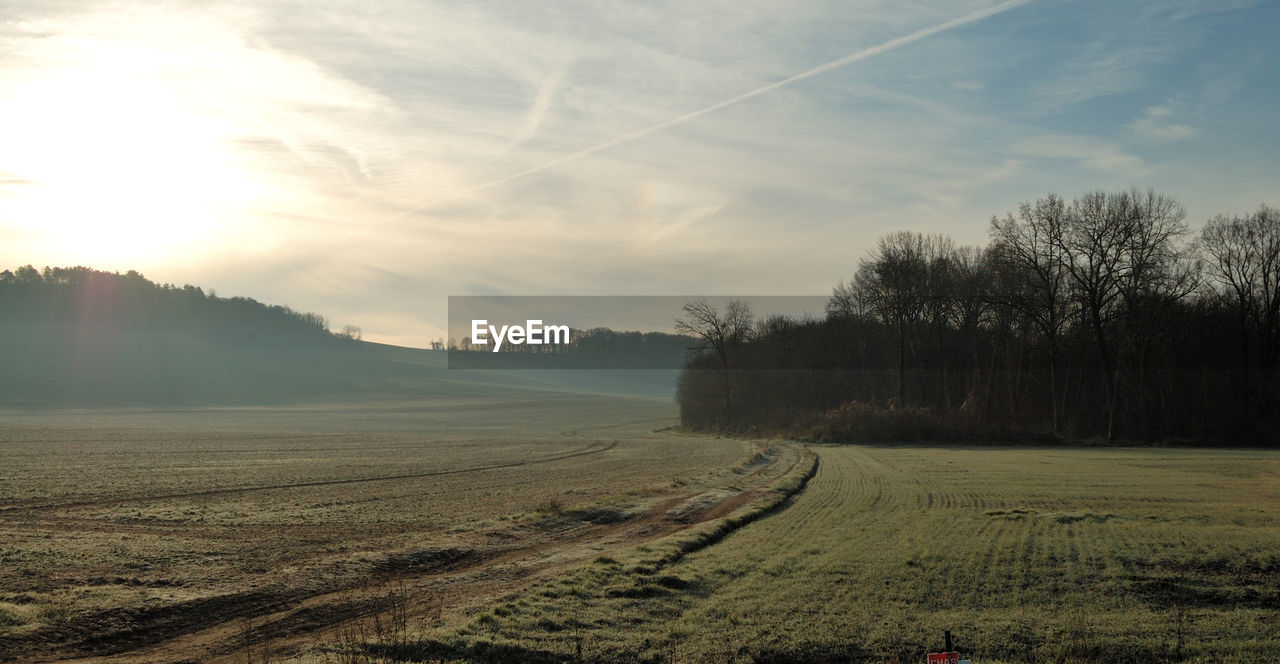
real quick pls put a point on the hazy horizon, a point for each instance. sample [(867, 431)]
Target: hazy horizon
[(365, 162)]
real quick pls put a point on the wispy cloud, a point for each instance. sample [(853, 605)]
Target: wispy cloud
[(547, 90), (364, 161), (849, 59), (1101, 156), (8, 180), (1116, 48), (1156, 125), (1105, 66)]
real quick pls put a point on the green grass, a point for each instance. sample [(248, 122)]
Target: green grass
[(1026, 555)]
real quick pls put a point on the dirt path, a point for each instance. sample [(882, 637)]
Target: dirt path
[(432, 584)]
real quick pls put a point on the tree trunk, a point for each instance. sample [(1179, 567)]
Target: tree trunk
[(902, 362), (1109, 372), (1053, 381)]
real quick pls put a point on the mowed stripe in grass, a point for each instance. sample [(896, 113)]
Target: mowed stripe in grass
[(1025, 554)]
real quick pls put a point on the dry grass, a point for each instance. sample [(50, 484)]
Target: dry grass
[(121, 527), (118, 528)]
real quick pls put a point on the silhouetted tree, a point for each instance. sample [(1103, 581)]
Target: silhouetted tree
[(720, 335), (1085, 317), (1242, 257), (1116, 246), (1032, 258), (898, 281)]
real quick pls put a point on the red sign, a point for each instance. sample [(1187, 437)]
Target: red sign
[(952, 657)]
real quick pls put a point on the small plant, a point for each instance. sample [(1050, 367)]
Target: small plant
[(550, 507), (254, 653), (1181, 624), (58, 610), (377, 638)]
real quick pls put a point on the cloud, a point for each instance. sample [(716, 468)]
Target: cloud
[(1156, 125), (682, 221), (1115, 48), (11, 181), (851, 58), (1101, 156), (1106, 66), (578, 146), (546, 93)]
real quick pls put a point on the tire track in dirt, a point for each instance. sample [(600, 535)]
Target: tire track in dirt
[(293, 619), (500, 572), (593, 448)]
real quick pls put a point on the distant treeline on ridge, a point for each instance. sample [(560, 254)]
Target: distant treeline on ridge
[(1095, 318), (83, 296), (594, 348)]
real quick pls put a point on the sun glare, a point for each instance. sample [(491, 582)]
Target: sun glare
[(116, 164)]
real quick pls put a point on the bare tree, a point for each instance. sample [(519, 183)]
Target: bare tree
[(1118, 246), (847, 301), (1243, 260), (720, 334), (940, 301), (1093, 306), (1032, 257), (900, 281), (1161, 271), (973, 279)]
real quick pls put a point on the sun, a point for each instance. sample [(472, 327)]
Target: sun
[(116, 167)]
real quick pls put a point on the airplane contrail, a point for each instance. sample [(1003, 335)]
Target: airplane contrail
[(810, 73)]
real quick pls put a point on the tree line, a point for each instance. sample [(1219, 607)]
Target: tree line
[(593, 348), (1101, 317), (81, 295)]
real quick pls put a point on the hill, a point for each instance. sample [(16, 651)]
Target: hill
[(81, 337)]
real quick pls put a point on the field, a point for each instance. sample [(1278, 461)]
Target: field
[(487, 529), (154, 534), (1027, 555)]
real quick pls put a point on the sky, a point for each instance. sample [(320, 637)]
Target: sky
[(367, 160)]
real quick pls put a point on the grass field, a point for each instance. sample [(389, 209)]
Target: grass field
[(486, 528), (1027, 555), (121, 529)]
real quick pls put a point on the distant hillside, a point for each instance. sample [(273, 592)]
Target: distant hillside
[(80, 337), (83, 296)]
